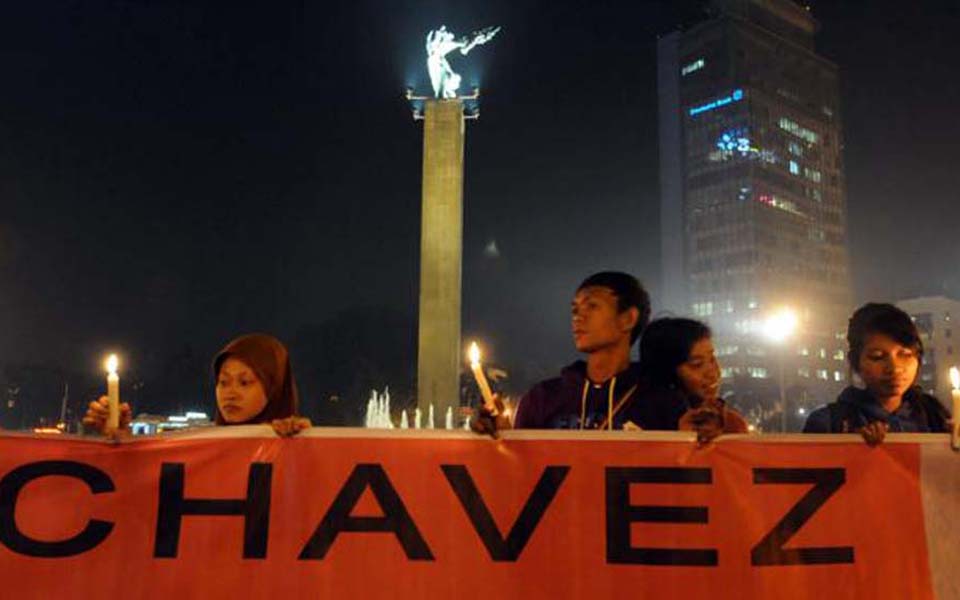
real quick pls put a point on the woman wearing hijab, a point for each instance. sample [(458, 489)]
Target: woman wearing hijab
[(254, 384)]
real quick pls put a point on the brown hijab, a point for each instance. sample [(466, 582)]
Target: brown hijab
[(269, 359)]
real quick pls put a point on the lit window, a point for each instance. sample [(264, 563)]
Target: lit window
[(803, 352), (796, 129), (691, 67), (804, 372), (838, 355), (703, 309), (757, 372), (726, 372), (795, 149), (812, 174), (837, 376), (822, 374), (822, 353), (794, 167), (753, 304)]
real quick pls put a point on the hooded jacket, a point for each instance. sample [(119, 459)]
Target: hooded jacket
[(855, 408), (571, 401)]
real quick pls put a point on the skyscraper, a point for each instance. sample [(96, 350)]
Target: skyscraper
[(753, 208), (936, 318)]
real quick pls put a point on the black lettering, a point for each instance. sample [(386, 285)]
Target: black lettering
[(620, 514), (255, 510), (395, 517), (508, 549), (92, 535), (770, 551)]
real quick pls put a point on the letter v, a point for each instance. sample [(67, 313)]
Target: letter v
[(501, 549)]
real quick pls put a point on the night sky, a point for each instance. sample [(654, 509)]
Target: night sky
[(173, 174)]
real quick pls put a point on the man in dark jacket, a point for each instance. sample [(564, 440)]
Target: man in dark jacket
[(609, 311)]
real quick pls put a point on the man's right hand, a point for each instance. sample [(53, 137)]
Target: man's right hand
[(490, 422)]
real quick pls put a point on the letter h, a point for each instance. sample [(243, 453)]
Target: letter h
[(255, 510)]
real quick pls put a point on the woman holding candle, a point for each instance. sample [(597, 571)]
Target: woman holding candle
[(254, 384), (678, 364), (885, 350)]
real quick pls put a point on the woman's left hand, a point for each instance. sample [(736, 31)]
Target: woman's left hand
[(706, 421), (290, 426)]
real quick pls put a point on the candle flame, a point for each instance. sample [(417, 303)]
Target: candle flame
[(474, 354), (955, 377), (112, 363)]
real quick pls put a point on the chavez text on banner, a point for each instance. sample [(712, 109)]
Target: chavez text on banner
[(239, 512)]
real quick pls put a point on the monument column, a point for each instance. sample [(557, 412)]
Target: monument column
[(439, 354)]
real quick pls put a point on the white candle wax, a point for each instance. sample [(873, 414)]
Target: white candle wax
[(955, 439), (113, 394), (955, 412), (481, 378)]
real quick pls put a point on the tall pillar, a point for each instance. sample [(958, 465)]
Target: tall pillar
[(441, 249)]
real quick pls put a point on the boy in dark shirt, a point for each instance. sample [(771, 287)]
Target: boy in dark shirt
[(608, 312)]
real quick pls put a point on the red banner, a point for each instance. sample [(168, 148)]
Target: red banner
[(351, 513)]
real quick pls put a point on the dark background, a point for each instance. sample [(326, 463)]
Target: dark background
[(173, 174)]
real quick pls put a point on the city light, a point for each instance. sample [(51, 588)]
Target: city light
[(735, 140), (692, 67), (781, 325), (736, 96)]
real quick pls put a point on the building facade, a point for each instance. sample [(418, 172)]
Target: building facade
[(936, 318), (753, 207)]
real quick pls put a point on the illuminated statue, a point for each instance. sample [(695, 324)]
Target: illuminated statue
[(441, 42)]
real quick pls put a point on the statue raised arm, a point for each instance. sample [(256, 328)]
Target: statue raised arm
[(478, 38)]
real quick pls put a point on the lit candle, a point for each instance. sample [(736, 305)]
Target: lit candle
[(482, 383), (113, 394), (955, 380)]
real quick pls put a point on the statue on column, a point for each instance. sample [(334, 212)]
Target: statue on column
[(441, 42)]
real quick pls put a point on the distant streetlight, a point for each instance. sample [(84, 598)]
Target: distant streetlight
[(778, 328), (781, 325)]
